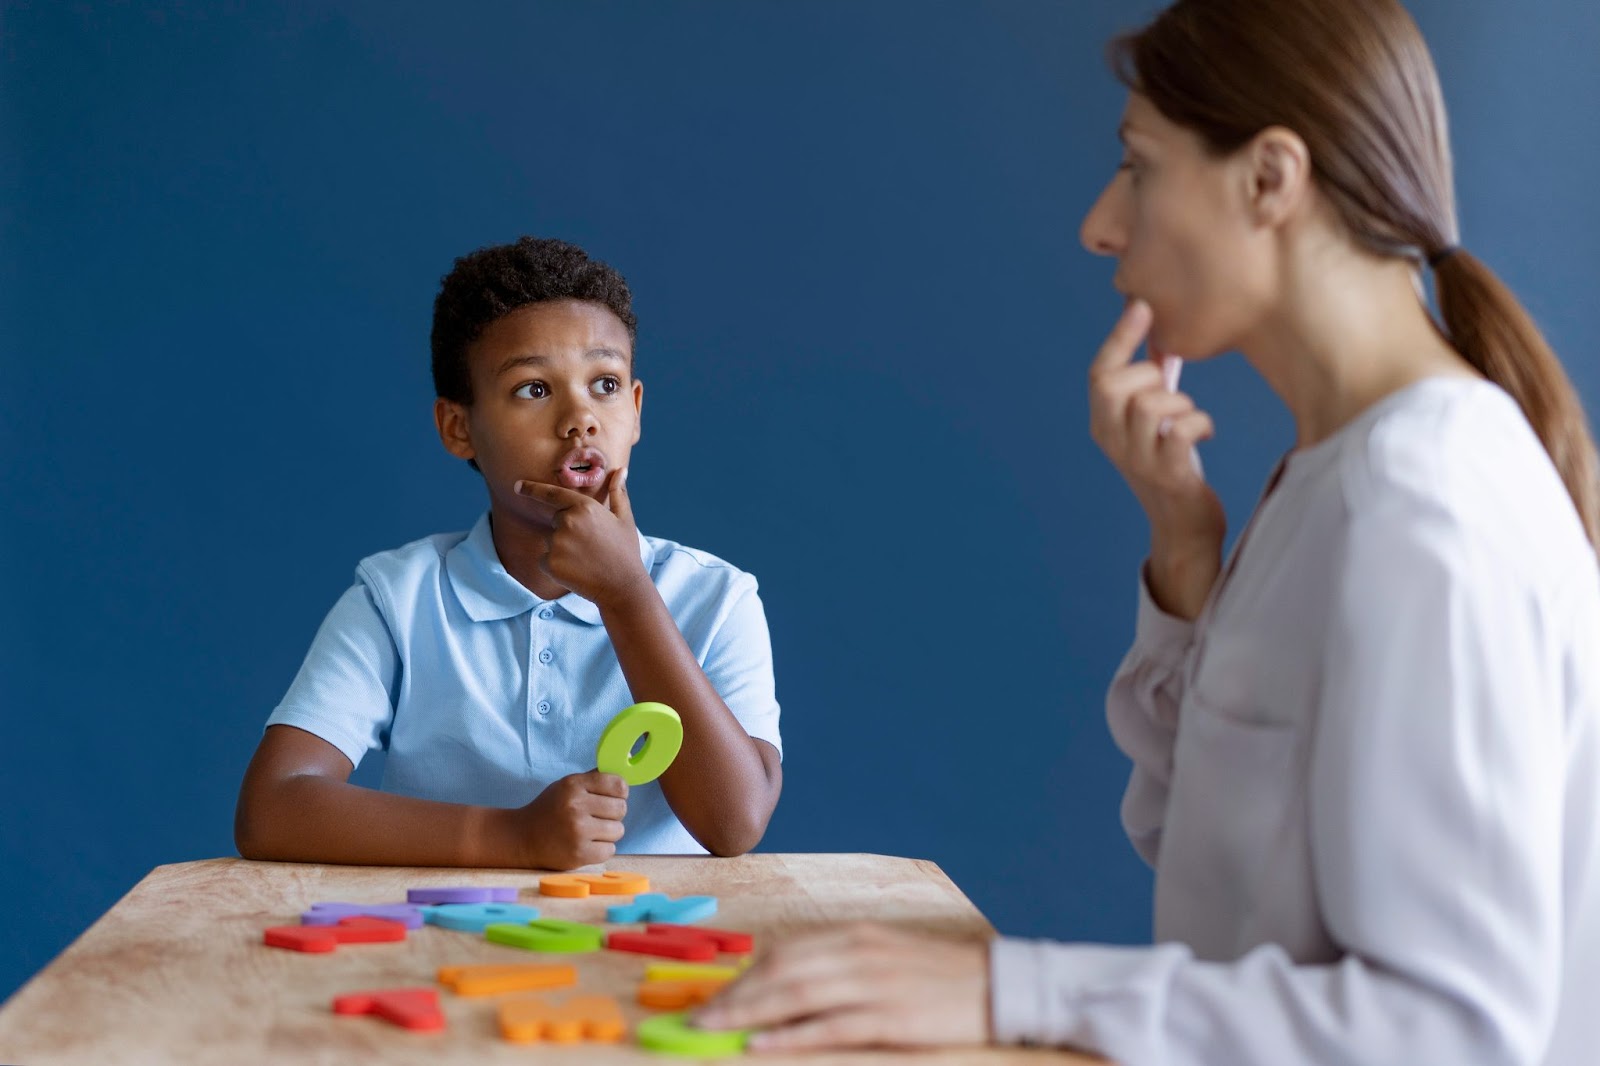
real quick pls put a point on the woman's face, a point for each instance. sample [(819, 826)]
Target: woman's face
[(1178, 221)]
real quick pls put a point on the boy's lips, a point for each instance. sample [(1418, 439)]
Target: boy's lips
[(582, 468)]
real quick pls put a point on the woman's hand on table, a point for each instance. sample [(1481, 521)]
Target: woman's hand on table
[(860, 986)]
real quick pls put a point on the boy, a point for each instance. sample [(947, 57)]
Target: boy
[(487, 663)]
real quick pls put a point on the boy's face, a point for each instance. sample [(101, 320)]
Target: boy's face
[(554, 400)]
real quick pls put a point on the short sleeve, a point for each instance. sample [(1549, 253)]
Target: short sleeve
[(739, 664), (345, 690)]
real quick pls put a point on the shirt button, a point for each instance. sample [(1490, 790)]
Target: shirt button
[(547, 613), (544, 707), (545, 656)]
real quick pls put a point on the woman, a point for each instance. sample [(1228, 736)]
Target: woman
[(1366, 754)]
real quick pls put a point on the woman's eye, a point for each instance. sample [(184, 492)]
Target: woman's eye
[(533, 390), (607, 385)]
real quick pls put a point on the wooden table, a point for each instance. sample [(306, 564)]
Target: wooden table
[(176, 972)]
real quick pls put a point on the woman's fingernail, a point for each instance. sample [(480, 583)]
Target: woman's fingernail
[(520, 489)]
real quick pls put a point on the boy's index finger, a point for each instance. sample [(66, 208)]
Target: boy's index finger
[(559, 497), (602, 783), (1123, 342)]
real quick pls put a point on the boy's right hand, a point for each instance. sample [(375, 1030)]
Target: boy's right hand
[(574, 822), (1149, 432)]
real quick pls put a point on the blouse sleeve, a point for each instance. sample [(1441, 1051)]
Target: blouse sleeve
[(1142, 711), (1436, 818)]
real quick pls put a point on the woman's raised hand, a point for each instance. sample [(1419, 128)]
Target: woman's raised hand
[(1149, 431)]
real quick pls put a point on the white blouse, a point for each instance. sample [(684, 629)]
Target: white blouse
[(1368, 776)]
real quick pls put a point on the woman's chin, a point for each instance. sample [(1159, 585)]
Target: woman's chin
[(1176, 342), (1165, 342)]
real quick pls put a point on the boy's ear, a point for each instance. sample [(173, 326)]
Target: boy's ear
[(638, 409), (454, 432)]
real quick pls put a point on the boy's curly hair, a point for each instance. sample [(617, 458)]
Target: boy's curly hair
[(492, 282)]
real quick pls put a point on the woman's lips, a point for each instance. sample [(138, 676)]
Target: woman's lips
[(582, 468)]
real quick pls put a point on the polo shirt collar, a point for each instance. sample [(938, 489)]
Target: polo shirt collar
[(488, 593)]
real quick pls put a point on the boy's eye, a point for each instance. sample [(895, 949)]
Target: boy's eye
[(606, 386), (533, 390)]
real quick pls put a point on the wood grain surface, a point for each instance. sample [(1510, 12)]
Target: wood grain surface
[(176, 972)]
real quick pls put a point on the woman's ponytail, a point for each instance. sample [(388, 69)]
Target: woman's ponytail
[(1492, 331)]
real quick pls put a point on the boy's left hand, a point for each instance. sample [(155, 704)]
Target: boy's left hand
[(593, 546)]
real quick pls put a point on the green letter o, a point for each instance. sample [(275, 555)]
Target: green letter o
[(663, 732)]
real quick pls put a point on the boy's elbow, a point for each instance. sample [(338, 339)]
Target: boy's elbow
[(738, 834), (247, 847), (253, 826), (730, 847), (247, 832)]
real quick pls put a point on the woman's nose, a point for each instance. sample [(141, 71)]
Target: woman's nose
[(1101, 232)]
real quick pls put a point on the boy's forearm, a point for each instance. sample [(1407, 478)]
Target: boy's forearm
[(310, 818), (721, 786)]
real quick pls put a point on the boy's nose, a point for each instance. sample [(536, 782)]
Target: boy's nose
[(580, 422)]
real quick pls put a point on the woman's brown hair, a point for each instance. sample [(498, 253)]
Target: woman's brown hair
[(1354, 79)]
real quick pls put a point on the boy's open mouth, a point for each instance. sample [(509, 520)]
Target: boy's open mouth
[(582, 468)]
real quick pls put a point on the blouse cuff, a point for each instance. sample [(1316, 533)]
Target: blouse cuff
[(1019, 1009), (1158, 634), (1046, 993)]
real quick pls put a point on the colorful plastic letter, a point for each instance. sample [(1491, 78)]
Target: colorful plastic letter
[(528, 1021), (724, 939), (663, 732), (319, 938), (463, 894), (548, 934), (329, 913), (671, 1034), (691, 971), (680, 995), (489, 980), (655, 907), (309, 938), (475, 917), (409, 1008), (666, 945), (609, 883)]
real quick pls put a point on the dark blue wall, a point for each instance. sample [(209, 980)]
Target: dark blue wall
[(851, 228)]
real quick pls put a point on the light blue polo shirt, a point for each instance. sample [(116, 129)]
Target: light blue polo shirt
[(480, 692)]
